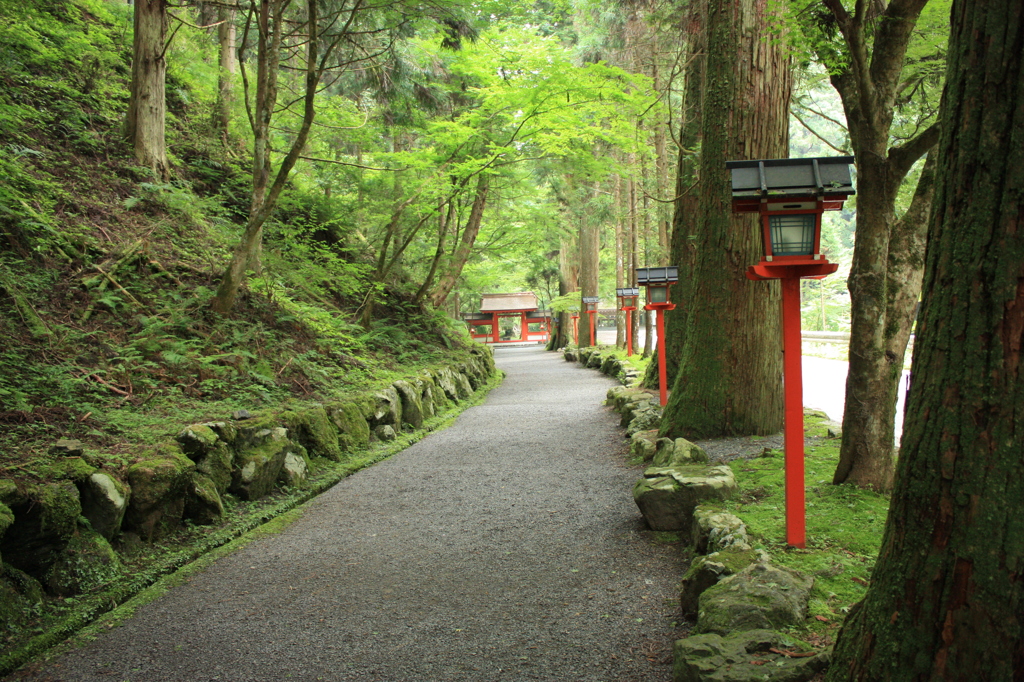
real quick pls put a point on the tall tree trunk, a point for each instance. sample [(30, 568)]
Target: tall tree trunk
[(729, 379), (225, 76), (145, 125), (946, 601), (589, 245), (868, 87), (452, 273)]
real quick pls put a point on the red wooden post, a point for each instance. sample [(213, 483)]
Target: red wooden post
[(629, 332), (576, 329), (662, 373), (524, 328), (494, 327), (794, 411), (593, 339)]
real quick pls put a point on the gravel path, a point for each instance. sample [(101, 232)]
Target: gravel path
[(506, 547)]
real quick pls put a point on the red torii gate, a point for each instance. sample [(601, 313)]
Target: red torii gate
[(521, 305)]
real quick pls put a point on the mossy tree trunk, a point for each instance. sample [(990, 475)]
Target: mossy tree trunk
[(881, 277), (226, 72), (147, 111), (947, 597), (589, 245), (729, 376)]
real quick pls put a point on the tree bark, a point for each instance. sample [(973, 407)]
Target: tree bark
[(589, 245), (868, 87), (225, 76), (147, 110), (729, 378), (947, 598), (452, 273)]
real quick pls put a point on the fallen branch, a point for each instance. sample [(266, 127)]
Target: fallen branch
[(113, 388), (793, 654)]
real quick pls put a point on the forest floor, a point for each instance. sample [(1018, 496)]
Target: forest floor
[(506, 547)]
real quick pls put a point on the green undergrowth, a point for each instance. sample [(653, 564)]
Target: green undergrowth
[(152, 569), (844, 525)]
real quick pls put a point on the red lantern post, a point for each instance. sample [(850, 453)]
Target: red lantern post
[(590, 304), (790, 196), (657, 281), (627, 299)]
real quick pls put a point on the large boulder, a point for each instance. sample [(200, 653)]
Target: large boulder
[(760, 596), (445, 380), (750, 656), (216, 465), (87, 562), (667, 496), (258, 465), (412, 403), (104, 502), (159, 484), (646, 416), (44, 521), (707, 571)]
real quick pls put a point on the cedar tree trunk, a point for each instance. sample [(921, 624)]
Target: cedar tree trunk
[(146, 105), (729, 378)]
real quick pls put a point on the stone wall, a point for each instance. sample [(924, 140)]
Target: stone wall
[(56, 534)]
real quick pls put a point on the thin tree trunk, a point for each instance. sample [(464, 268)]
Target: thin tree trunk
[(454, 270), (620, 262), (146, 105), (946, 598), (225, 76)]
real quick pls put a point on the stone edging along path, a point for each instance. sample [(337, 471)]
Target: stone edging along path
[(740, 601), (269, 456)]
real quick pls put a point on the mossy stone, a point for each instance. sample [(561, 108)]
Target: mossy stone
[(159, 486), (216, 465), (256, 468), (44, 520), (104, 502), (19, 593), (197, 440), (351, 425), (87, 562), (203, 505), (313, 429)]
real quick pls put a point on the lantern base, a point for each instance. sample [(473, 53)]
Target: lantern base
[(787, 269), (660, 306)]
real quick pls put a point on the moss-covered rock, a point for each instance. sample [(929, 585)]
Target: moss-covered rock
[(258, 466), (743, 657), (714, 530), (44, 521), (295, 469), (667, 496), (387, 409), (216, 465), (706, 571), (760, 596), (159, 484), (353, 430), (104, 502), (412, 403), (19, 594), (445, 380), (197, 440), (203, 505), (314, 430), (425, 387), (678, 452), (87, 562)]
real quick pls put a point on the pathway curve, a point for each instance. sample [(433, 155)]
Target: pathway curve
[(506, 547)]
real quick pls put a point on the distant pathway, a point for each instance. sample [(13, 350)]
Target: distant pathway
[(506, 547)]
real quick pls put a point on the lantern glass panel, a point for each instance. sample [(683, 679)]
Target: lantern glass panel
[(793, 234), (657, 294)]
